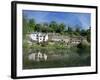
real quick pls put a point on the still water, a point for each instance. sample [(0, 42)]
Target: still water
[(55, 58)]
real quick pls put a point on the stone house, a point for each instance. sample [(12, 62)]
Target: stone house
[(76, 40)]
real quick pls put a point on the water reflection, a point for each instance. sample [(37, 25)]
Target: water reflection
[(38, 56), (44, 58)]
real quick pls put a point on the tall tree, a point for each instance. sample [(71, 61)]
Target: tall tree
[(53, 25), (69, 29), (83, 32), (89, 35), (78, 30), (38, 27), (61, 28), (25, 25), (31, 25), (45, 27)]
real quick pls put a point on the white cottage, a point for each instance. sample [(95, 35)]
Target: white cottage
[(39, 37)]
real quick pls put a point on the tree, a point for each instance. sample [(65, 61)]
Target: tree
[(50, 29), (78, 30), (83, 47), (83, 32), (61, 28), (38, 27), (89, 35), (45, 24), (69, 29), (53, 25), (25, 25), (44, 27), (31, 25)]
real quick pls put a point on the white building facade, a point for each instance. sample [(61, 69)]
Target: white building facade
[(39, 37)]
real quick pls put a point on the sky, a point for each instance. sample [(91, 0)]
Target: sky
[(82, 20)]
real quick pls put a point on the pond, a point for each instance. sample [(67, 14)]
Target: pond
[(48, 58)]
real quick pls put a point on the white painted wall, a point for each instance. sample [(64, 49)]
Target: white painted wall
[(39, 37), (46, 37), (33, 37), (5, 40)]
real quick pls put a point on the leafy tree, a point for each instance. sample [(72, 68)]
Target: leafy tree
[(38, 27), (69, 29), (83, 47), (61, 28), (46, 24), (83, 32), (25, 25), (50, 29), (44, 27), (78, 30), (31, 25), (53, 25), (89, 35)]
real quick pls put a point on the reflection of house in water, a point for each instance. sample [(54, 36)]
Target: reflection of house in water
[(37, 56), (38, 37), (46, 57)]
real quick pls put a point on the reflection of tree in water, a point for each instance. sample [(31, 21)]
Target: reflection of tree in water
[(45, 58), (84, 51)]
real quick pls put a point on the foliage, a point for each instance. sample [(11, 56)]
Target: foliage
[(69, 29), (25, 26), (88, 35), (29, 25), (83, 48), (38, 27)]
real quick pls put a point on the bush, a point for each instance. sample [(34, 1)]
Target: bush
[(83, 48)]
